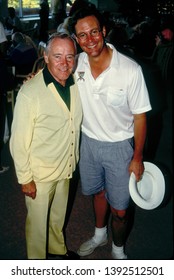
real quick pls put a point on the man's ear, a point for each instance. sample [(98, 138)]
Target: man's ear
[(45, 57), (75, 37)]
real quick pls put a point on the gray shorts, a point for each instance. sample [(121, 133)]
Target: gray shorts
[(104, 166)]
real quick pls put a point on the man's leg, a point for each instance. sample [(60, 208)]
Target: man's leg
[(92, 181), (101, 209), (100, 236), (56, 242), (36, 221), (119, 226)]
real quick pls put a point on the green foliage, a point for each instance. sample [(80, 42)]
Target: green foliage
[(25, 3)]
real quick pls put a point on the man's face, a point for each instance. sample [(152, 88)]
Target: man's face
[(89, 35), (60, 59)]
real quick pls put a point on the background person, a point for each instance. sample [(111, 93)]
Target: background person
[(3, 40), (6, 83), (12, 21), (22, 53), (44, 21)]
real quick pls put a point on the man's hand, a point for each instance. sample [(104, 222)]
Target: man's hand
[(29, 189), (137, 167), (29, 77)]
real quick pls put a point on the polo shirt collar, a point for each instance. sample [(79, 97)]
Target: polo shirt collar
[(114, 60), (48, 78)]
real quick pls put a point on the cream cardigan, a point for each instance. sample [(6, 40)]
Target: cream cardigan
[(44, 139)]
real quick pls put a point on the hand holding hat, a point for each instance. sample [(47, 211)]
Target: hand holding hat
[(149, 192)]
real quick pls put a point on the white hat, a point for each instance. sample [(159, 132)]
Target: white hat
[(148, 193)]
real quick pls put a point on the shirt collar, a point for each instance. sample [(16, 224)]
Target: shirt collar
[(48, 78), (114, 60)]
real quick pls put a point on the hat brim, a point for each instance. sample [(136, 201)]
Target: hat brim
[(149, 192)]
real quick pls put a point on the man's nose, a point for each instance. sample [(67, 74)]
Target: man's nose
[(89, 37), (64, 60)]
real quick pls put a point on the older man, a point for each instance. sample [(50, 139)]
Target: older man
[(44, 145)]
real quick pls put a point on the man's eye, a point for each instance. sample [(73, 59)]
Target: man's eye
[(70, 57), (82, 35), (58, 57)]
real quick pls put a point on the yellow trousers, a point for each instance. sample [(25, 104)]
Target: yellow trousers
[(45, 219)]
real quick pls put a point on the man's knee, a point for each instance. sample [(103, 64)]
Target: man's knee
[(100, 194), (119, 214)]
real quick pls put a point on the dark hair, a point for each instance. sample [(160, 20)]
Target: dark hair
[(82, 13), (12, 12)]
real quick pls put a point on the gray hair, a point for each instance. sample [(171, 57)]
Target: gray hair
[(60, 35)]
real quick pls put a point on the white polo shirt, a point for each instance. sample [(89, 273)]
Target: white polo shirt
[(110, 101)]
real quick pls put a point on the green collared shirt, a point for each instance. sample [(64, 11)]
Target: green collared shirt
[(64, 92)]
